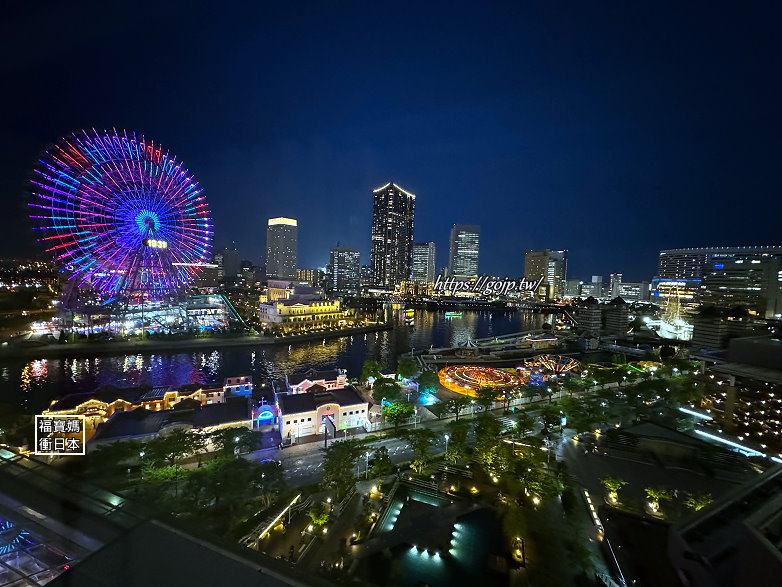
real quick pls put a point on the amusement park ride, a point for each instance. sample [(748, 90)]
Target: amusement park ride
[(130, 230), (467, 379)]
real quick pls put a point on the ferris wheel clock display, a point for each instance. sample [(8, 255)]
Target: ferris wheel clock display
[(121, 215)]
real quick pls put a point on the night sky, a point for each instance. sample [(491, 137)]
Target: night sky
[(612, 129)]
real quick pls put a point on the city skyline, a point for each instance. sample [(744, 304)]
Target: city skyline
[(590, 118)]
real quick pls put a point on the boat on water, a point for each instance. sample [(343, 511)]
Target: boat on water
[(453, 314)]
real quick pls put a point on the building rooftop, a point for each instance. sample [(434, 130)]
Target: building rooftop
[(138, 422), (295, 403), (108, 395), (233, 410), (141, 422), (312, 375), (156, 393)]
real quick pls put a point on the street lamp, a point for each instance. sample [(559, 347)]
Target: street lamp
[(366, 470), (446, 443)]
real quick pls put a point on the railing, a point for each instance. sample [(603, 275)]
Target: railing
[(252, 538), (345, 500)]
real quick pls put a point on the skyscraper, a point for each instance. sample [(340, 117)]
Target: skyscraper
[(392, 235), (463, 257), (228, 263), (344, 271), (424, 262), (281, 248), (549, 265), (615, 284)]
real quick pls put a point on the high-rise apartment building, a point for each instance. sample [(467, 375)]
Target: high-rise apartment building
[(551, 266), (281, 248), (391, 255), (424, 257), (344, 276), (463, 257)]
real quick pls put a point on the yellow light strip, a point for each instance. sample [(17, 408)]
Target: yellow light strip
[(277, 519), (283, 220)]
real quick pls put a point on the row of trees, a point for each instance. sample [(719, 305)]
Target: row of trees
[(169, 450), (693, 501), (219, 492)]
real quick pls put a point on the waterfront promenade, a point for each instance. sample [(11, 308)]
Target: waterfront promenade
[(89, 349)]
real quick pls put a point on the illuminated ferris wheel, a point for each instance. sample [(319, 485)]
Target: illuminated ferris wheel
[(120, 214)]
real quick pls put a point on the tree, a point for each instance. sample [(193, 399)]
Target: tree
[(524, 423), (420, 440), (319, 513), (574, 384), (550, 414), (458, 405), (427, 382), (457, 438), (655, 494), (168, 450), (270, 482), (108, 459), (486, 396), (612, 486), (339, 461), (397, 412), (370, 370), (697, 501), (381, 462), (491, 453), (386, 389), (406, 367), (228, 440)]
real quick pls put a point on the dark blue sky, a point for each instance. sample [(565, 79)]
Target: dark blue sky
[(610, 129)]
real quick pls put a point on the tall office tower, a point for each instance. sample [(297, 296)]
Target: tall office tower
[(228, 262), (551, 266), (681, 272), (465, 245), (424, 262), (344, 272), (615, 284), (391, 256), (281, 248)]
